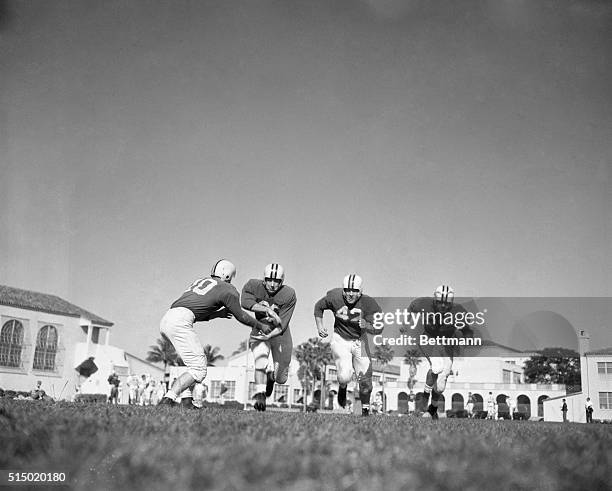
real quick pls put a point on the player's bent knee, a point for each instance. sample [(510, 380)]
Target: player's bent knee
[(344, 378), (281, 376), (198, 374), (261, 363)]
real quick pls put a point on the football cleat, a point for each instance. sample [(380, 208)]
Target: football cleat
[(342, 396), (224, 270), (433, 411), (443, 298), (269, 384), (351, 288), (166, 401), (365, 411), (260, 401)]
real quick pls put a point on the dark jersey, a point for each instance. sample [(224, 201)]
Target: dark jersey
[(282, 302), (346, 316), (207, 295), (438, 324)]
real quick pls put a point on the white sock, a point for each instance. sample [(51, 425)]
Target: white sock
[(171, 395)]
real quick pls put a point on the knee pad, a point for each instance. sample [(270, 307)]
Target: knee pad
[(437, 365), (344, 377), (441, 382), (261, 363), (198, 374)]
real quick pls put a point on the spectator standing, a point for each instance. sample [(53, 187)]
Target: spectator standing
[(588, 407), (564, 410), (113, 380)]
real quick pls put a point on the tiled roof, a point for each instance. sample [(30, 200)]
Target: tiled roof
[(43, 302), (603, 351)]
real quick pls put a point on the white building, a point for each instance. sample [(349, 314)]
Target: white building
[(499, 371), (44, 338), (596, 381)]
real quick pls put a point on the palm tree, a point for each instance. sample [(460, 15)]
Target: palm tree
[(383, 354), (241, 348), (412, 358), (212, 355), (163, 352), (313, 355)]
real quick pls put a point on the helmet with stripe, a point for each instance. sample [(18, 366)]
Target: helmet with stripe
[(352, 288), (443, 298), (274, 275), (224, 269)]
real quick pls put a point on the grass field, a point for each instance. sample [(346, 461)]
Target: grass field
[(138, 448)]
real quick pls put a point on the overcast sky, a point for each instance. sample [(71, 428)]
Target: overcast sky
[(411, 142)]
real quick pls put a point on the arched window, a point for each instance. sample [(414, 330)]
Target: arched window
[(11, 343), (402, 403), (441, 404), (46, 349), (524, 405), (541, 400), (502, 406), (478, 402), (457, 402)]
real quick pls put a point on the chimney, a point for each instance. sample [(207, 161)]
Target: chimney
[(584, 342), (584, 346)]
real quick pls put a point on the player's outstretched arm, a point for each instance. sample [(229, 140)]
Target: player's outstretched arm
[(232, 304), (319, 307)]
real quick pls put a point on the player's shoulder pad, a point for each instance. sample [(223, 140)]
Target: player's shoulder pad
[(420, 303), (228, 287), (288, 292), (334, 292), (251, 284), (370, 302)]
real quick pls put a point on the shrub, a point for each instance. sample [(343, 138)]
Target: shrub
[(91, 398)]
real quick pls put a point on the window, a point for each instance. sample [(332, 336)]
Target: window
[(506, 376), (604, 368), (332, 374), (376, 379), (605, 400), (297, 393), (516, 378), (46, 349), (281, 393), (215, 388), (230, 393), (95, 335), (11, 344), (251, 389), (390, 379)]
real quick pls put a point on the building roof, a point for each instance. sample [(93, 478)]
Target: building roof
[(44, 302), (603, 351), (389, 369)]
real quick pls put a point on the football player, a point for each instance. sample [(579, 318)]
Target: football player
[(271, 301), (440, 358), (353, 312), (207, 298)]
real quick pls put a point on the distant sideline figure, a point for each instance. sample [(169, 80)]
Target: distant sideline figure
[(588, 407), (470, 405), (113, 380), (564, 410), (207, 298)]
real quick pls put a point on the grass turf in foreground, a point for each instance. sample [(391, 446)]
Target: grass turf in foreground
[(128, 447)]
